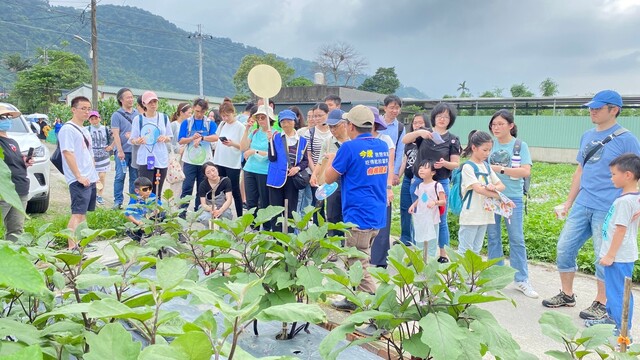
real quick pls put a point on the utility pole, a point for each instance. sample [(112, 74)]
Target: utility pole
[(199, 36), (94, 56)]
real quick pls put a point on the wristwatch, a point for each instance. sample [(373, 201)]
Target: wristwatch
[(502, 170), (389, 187)]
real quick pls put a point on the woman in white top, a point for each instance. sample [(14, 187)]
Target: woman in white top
[(228, 156), (183, 112), (151, 132)]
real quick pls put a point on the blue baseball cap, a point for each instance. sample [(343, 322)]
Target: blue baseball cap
[(334, 117), (287, 115), (605, 97)]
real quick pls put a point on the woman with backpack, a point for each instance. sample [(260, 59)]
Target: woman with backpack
[(443, 147), (511, 160)]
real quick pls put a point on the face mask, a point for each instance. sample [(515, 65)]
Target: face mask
[(5, 124)]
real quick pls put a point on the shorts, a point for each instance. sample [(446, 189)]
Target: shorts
[(83, 199)]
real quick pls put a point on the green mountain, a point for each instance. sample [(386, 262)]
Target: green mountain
[(135, 48)]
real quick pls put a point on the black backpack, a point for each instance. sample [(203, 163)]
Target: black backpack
[(56, 157)]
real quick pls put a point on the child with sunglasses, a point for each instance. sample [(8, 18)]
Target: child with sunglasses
[(141, 206)]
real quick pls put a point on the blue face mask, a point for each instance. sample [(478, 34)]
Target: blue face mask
[(5, 124)]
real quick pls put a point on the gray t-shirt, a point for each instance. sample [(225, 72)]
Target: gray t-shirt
[(120, 122), (621, 213)]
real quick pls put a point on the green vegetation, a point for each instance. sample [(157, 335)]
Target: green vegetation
[(385, 81)]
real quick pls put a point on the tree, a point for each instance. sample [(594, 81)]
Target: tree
[(341, 61), (520, 90), (488, 94), (300, 81), (548, 87), (40, 85), (385, 81), (15, 63), (249, 61), (464, 90)]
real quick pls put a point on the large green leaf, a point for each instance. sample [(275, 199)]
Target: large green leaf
[(415, 346), (171, 272), (558, 326), (85, 281), (475, 298), (112, 342), (560, 355), (111, 308), (496, 278), (267, 214), (293, 312), (8, 189), (328, 347), (195, 345), (162, 352), (444, 337), (29, 353), (25, 333), (598, 335), (499, 340), (63, 328), (309, 277), (17, 272), (364, 316), (207, 322), (71, 309)]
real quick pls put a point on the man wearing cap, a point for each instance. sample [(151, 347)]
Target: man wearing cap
[(338, 128), (77, 163), (121, 129), (590, 197), (362, 166)]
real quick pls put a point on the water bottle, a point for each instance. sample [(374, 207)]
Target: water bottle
[(123, 165), (515, 163)]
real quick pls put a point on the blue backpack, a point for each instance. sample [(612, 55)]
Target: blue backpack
[(456, 200)]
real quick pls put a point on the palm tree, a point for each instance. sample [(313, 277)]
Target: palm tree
[(462, 87)]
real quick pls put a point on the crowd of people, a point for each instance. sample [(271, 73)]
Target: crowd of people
[(248, 161)]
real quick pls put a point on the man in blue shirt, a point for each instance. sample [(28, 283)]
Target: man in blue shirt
[(121, 130), (396, 131), (590, 197), (362, 167)]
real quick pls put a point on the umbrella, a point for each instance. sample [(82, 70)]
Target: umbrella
[(37, 116)]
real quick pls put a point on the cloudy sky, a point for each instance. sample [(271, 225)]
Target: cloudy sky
[(584, 45)]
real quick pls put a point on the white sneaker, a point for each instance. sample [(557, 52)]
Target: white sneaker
[(526, 289)]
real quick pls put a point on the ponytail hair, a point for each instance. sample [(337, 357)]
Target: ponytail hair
[(182, 107), (227, 107), (476, 138)]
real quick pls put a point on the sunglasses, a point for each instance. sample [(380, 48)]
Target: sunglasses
[(145, 188)]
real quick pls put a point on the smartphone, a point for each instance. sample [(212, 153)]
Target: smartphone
[(223, 138), (30, 153)]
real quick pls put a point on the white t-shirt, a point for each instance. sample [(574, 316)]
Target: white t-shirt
[(229, 156), (71, 140), (621, 213), (426, 193), (387, 140), (158, 150), (476, 214), (319, 138)]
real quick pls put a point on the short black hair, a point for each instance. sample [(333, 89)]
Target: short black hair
[(77, 99), (392, 99), (443, 107), (250, 104), (121, 93), (335, 98), (627, 162), (142, 182), (430, 163)]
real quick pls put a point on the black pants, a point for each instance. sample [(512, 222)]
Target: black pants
[(255, 188), (277, 197), (234, 176), (381, 245), (151, 175), (333, 208), (192, 173)]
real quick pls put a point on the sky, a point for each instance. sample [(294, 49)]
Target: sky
[(583, 45)]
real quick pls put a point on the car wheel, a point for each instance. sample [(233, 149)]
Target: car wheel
[(38, 206)]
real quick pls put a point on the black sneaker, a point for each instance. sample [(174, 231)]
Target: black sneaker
[(371, 329), (596, 311), (344, 305), (559, 300), (443, 259)]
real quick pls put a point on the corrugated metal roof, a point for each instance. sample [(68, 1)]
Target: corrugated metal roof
[(161, 94)]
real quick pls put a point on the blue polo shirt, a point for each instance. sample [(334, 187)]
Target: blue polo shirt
[(363, 164), (139, 207)]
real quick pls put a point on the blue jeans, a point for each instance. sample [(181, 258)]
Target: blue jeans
[(118, 181), (582, 223), (470, 237), (615, 275), (443, 235), (192, 173), (304, 199), (517, 249), (406, 225)]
